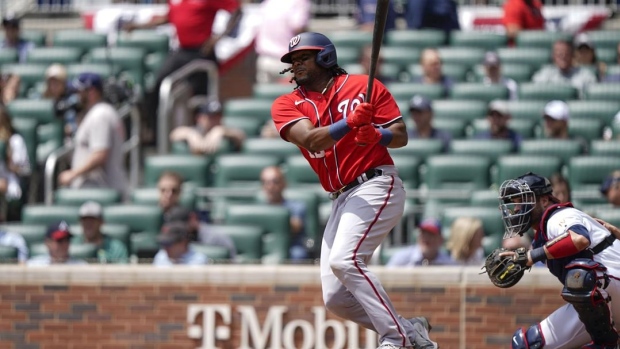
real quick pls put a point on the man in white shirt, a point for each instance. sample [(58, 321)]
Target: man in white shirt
[(57, 240)]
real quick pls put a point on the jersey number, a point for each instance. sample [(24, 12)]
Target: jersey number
[(317, 155), (346, 105)]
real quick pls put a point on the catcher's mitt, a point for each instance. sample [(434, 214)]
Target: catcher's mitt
[(505, 271)]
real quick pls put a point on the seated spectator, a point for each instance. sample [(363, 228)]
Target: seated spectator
[(493, 75), (465, 241), (13, 39), (365, 63), (274, 183), (432, 14), (208, 134), (498, 116), (432, 71), (109, 250), (11, 239), (57, 240), (175, 249), (585, 55), (522, 15), (561, 187), (563, 70), (427, 251), (557, 116), (169, 186), (64, 102), (9, 87), (421, 111), (201, 232), (611, 188)]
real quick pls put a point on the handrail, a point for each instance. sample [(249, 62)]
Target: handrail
[(167, 96), (50, 168)]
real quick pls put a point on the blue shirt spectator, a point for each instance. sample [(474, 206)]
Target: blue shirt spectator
[(11, 239), (498, 116), (421, 111), (12, 38), (428, 249), (435, 14), (432, 71)]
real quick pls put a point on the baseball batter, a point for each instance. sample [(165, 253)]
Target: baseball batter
[(577, 249), (345, 141)]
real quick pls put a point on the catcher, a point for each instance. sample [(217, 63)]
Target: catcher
[(580, 251)]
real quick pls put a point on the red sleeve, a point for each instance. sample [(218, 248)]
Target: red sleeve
[(511, 13), (284, 114), (386, 106), (228, 5)]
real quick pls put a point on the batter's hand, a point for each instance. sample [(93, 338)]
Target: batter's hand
[(367, 135), (362, 115)]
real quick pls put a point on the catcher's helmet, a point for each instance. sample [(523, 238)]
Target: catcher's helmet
[(517, 198), (326, 57)]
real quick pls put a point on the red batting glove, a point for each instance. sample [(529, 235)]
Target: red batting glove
[(367, 135), (362, 115)]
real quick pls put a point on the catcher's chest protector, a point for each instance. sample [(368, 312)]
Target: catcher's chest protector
[(541, 232)]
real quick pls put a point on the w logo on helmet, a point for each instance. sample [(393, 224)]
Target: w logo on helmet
[(294, 41)]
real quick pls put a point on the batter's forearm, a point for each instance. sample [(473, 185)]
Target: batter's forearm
[(318, 139)]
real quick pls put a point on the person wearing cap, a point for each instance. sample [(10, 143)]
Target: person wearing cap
[(56, 90), (175, 249), (522, 15), (563, 70), (208, 135), (432, 71), (493, 75), (57, 240), (556, 116), (498, 116), (98, 159), (611, 188), (13, 39), (428, 249), (109, 250), (585, 55), (421, 111)]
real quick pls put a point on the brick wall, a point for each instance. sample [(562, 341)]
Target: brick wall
[(136, 307)]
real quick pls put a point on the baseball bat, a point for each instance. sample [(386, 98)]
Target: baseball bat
[(377, 39)]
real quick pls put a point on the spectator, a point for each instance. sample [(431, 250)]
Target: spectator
[(432, 14), (9, 87), (611, 188), (10, 239), (427, 251), (563, 70), (274, 183), (57, 240), (109, 250), (13, 39), (498, 116), (585, 55), (556, 115), (175, 249), (193, 21), (292, 18), (365, 63), (465, 241), (98, 159), (421, 111), (64, 102), (169, 186), (15, 166), (493, 75), (208, 134), (522, 15), (432, 70), (561, 187), (201, 232)]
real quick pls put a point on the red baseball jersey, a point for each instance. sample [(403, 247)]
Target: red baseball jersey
[(343, 162), (193, 19)]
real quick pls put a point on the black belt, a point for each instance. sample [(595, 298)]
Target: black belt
[(372, 173), (608, 241)]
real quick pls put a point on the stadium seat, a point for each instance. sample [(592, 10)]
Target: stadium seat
[(8, 254), (84, 40), (563, 149), (516, 71), (601, 110), (604, 38), (212, 252), (485, 198), (310, 198), (128, 60), (457, 172), (32, 233), (477, 39), (530, 109), (588, 172), (604, 148), (41, 110), (275, 222), (149, 40), (256, 108), (49, 138), (37, 37), (8, 56), (535, 57), (603, 92), (586, 129), (120, 232), (466, 110), (248, 241), (416, 38), (350, 38), (348, 55), (86, 252), (490, 148), (235, 170), (457, 72), (29, 74), (611, 215), (50, 55), (76, 197), (42, 214), (139, 218), (154, 61), (269, 146), (193, 168), (607, 55), (478, 91), (271, 91), (144, 246), (251, 126), (105, 71), (386, 70), (27, 128), (405, 90), (298, 172), (523, 127), (456, 128), (150, 196), (547, 92), (401, 56), (512, 166), (407, 169), (419, 148), (491, 218), (540, 38), (461, 55)]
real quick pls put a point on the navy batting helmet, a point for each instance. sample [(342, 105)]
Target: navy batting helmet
[(313, 41)]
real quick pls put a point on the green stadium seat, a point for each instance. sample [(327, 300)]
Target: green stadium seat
[(416, 38), (32, 233), (150, 196), (37, 37), (419, 148), (530, 109), (235, 170), (41, 110), (298, 172), (406, 90), (76, 197), (45, 215), (8, 254), (478, 91), (257, 108), (139, 218), (540, 38), (274, 220), (588, 172), (348, 55), (535, 57), (604, 148), (149, 40), (144, 246), (310, 198), (154, 61), (27, 128), (601, 110), (128, 60), (490, 148), (584, 128), (478, 39), (271, 91), (491, 242), (523, 127), (193, 168), (485, 198), (604, 38), (84, 40), (50, 55), (350, 38), (516, 71), (251, 126), (8, 55), (119, 232), (105, 71), (547, 92), (603, 92), (611, 215), (466, 110), (456, 128), (29, 74), (49, 138), (455, 71), (400, 56), (212, 252), (461, 55), (86, 252), (386, 70), (269, 146), (248, 241), (512, 166), (563, 149), (407, 169), (612, 69), (491, 218), (457, 172), (607, 55)]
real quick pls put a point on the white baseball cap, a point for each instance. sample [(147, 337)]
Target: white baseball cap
[(91, 209), (557, 110), (57, 71)]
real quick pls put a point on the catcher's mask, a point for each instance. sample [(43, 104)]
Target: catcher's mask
[(517, 199)]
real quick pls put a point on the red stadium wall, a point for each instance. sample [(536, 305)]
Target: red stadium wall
[(141, 307)]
